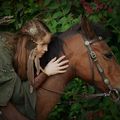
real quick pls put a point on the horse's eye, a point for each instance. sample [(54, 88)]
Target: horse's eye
[(109, 55)]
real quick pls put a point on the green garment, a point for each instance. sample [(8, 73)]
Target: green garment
[(11, 87)]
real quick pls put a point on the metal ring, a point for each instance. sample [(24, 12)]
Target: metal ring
[(114, 94)]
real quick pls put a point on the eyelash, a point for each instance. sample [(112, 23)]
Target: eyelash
[(108, 55)]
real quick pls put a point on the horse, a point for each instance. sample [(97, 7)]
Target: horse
[(90, 58)]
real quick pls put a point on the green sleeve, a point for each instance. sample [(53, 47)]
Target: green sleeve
[(7, 73)]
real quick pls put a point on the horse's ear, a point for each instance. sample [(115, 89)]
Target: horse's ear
[(86, 28)]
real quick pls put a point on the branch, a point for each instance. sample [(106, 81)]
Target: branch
[(6, 20)]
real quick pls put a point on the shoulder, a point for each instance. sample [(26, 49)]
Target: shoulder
[(6, 54), (7, 41), (5, 37)]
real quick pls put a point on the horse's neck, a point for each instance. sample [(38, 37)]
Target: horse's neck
[(49, 94), (76, 51), (58, 82), (73, 47)]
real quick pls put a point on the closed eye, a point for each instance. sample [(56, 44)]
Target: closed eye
[(108, 55)]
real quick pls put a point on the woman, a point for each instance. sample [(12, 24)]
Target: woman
[(20, 70)]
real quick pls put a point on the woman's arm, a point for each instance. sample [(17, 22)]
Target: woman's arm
[(40, 79)]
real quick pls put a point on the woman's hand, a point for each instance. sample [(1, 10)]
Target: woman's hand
[(56, 66)]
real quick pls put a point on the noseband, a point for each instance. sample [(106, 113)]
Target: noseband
[(113, 93)]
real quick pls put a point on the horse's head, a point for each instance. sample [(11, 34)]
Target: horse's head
[(92, 58)]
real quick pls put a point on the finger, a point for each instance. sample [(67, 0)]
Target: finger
[(59, 59), (63, 67), (53, 60), (63, 62), (62, 71)]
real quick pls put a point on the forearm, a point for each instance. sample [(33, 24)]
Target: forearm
[(39, 79)]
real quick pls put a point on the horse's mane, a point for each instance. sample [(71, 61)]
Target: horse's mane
[(56, 45), (54, 49)]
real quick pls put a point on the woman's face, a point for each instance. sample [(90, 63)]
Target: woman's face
[(42, 46)]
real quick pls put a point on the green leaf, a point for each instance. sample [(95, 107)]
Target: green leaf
[(53, 5), (47, 2), (66, 9), (57, 15)]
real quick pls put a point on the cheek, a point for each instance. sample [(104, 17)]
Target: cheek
[(39, 49)]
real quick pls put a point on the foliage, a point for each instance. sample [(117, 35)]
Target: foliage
[(59, 15)]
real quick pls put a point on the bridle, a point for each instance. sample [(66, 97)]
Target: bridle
[(113, 93)]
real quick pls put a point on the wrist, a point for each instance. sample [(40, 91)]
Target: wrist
[(45, 72)]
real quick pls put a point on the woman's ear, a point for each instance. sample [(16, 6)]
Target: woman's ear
[(87, 29)]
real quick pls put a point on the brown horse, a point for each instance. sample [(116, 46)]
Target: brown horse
[(90, 58)]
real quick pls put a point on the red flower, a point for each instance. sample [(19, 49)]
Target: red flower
[(97, 2), (87, 7), (109, 10)]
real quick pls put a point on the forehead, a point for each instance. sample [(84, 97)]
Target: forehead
[(101, 46), (46, 39)]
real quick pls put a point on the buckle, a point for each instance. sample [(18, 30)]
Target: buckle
[(93, 55)]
